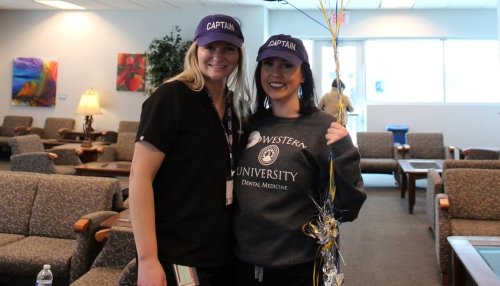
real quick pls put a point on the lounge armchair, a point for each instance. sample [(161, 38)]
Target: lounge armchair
[(378, 152), (123, 150), (52, 128), (468, 207), (427, 146), (10, 124), (435, 181), (118, 251), (123, 126), (480, 154), (29, 155)]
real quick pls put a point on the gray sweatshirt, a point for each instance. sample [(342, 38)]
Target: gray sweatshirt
[(283, 168)]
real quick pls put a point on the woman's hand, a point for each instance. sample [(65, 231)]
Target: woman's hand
[(335, 133), (150, 273)]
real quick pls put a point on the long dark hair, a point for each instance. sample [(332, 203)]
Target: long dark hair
[(306, 95)]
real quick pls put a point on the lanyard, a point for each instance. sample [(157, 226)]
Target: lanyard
[(226, 123)]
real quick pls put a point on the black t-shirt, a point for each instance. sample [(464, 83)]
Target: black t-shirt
[(192, 220)]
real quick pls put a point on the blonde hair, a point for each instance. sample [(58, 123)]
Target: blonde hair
[(243, 100)]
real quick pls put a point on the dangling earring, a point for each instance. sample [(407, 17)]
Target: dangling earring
[(299, 92)]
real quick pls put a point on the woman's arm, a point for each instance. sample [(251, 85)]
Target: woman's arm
[(350, 194), (145, 163)]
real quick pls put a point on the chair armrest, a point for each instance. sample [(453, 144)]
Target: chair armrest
[(444, 203), (119, 248), (406, 147), (52, 156), (102, 235), (106, 154), (398, 151), (81, 225), (38, 162), (110, 136), (66, 156), (442, 231), (449, 152), (21, 130), (87, 247)]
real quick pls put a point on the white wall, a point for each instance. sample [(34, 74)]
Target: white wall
[(461, 125), (364, 24), (86, 44)]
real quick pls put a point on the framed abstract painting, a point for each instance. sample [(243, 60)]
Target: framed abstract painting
[(130, 72), (34, 82)]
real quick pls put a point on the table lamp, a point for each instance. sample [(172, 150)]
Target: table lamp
[(88, 106)]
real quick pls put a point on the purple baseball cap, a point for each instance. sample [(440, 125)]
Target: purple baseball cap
[(285, 47), (218, 27)]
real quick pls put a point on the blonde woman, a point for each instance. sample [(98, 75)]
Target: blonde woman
[(187, 145)]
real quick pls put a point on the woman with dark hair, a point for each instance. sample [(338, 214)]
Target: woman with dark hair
[(285, 168)]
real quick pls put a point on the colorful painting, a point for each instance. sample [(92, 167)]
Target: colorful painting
[(131, 69), (34, 82)]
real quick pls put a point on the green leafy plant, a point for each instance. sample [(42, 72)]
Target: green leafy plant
[(165, 58)]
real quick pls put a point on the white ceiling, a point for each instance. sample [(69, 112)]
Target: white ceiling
[(281, 4)]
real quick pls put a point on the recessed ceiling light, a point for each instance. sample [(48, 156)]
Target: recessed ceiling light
[(60, 4), (394, 4)]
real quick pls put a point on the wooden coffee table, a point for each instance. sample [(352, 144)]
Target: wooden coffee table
[(104, 169), (412, 170), (477, 256)]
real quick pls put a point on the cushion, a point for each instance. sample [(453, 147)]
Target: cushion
[(53, 124), (426, 145), (12, 121), (61, 200), (473, 193), (125, 146), (17, 194), (99, 276), (468, 227), (375, 144), (6, 238), (27, 256)]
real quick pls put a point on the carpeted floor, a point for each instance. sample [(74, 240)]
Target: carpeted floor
[(385, 246)]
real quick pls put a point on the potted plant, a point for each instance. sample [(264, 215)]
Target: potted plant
[(165, 58)]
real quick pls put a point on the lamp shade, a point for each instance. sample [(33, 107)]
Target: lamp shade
[(89, 103)]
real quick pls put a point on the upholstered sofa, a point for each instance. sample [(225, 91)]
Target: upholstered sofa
[(468, 207), (435, 181), (40, 214)]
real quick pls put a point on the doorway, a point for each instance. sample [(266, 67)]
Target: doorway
[(351, 73)]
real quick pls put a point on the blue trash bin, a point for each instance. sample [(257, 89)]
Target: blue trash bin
[(399, 132)]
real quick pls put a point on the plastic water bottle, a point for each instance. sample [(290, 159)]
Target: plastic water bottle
[(44, 277)]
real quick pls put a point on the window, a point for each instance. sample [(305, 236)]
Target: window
[(472, 71), (432, 71), (404, 71)]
